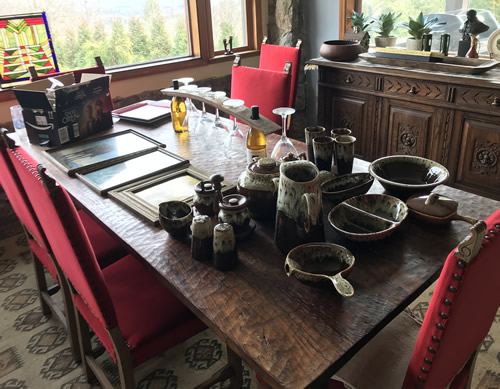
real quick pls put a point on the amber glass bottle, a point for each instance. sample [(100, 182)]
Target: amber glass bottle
[(179, 111), (255, 140)]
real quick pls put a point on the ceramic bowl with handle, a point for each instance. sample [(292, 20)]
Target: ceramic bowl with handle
[(321, 262)]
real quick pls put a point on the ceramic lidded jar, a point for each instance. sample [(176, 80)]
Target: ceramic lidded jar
[(205, 199), (256, 184), (234, 211)]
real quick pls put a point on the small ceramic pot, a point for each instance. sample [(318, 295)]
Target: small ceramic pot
[(202, 238), (310, 133), (175, 217), (204, 199), (256, 184), (323, 152), (414, 44), (225, 255), (344, 154), (234, 211), (385, 41)]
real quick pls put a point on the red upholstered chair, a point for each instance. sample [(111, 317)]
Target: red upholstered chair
[(274, 57), (127, 307), (98, 69), (268, 89), (107, 249), (440, 352)]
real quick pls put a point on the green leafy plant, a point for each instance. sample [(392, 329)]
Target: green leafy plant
[(386, 23), (361, 20), (420, 26)]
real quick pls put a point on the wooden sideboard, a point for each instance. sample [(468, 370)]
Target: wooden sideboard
[(453, 119)]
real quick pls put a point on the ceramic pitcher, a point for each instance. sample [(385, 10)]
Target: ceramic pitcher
[(299, 217)]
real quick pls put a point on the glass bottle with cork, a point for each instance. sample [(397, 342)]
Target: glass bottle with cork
[(255, 139), (178, 110)]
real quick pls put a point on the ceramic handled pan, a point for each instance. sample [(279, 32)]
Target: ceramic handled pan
[(434, 208)]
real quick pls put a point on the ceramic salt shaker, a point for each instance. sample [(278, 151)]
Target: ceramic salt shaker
[(225, 255), (202, 238), (233, 210)]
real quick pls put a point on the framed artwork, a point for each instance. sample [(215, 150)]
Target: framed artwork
[(104, 179), (25, 41), (144, 197), (94, 153)]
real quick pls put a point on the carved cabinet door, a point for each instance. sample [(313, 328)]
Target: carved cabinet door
[(410, 127), (478, 168)]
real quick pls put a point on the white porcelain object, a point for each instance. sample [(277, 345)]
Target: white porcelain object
[(494, 45)]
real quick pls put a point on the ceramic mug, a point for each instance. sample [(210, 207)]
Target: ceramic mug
[(340, 131), (310, 133), (344, 153), (299, 216), (323, 152)]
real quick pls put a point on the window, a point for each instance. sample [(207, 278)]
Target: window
[(135, 32), (453, 12)]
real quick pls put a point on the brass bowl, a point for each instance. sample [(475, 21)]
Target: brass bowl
[(340, 50)]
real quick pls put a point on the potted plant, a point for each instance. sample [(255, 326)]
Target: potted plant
[(417, 28), (385, 24)]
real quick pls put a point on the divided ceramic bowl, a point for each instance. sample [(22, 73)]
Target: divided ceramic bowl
[(404, 175), (343, 187), (321, 262), (368, 218)]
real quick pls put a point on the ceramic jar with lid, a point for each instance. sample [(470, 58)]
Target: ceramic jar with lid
[(256, 184), (205, 198), (234, 211)]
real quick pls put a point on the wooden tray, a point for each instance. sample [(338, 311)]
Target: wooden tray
[(450, 65)]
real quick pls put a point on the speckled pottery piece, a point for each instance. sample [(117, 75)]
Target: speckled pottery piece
[(343, 187), (233, 210), (225, 255), (404, 175), (310, 133), (299, 206), (323, 152), (202, 238), (340, 131), (204, 199), (175, 217), (344, 153), (256, 184), (322, 262), (368, 217)]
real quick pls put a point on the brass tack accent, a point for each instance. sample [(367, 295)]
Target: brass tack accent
[(420, 378), (428, 361), (447, 302), (497, 225), (431, 350), (461, 264), (424, 370), (492, 232), (443, 315), (457, 277), (435, 339), (452, 289), (440, 326), (487, 237)]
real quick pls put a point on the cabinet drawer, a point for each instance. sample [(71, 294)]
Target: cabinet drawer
[(415, 89), (344, 78), (479, 98)]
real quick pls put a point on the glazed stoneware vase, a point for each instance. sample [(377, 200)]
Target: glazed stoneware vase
[(299, 215)]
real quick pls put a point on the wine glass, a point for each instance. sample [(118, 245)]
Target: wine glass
[(234, 143), (187, 81), (204, 119), (217, 124), (284, 146), (192, 117)]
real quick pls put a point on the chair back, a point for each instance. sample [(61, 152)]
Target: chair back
[(17, 196), (463, 306), (98, 69), (266, 88), (66, 235), (274, 57)]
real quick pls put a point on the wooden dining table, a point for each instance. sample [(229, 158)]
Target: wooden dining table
[(291, 334)]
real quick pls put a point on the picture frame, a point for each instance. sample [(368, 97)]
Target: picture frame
[(97, 152), (114, 175), (144, 196)]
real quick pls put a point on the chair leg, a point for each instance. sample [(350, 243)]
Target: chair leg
[(85, 346), (41, 284), (123, 359), (233, 359)]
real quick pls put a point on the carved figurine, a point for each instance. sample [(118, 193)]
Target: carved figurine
[(225, 45), (228, 50), (472, 27)]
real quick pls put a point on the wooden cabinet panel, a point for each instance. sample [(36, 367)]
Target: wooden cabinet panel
[(351, 80), (416, 89), (479, 166), (481, 98)]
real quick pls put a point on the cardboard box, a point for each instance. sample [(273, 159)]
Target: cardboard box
[(67, 113)]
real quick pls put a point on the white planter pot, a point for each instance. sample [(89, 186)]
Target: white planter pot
[(385, 41), (414, 44)]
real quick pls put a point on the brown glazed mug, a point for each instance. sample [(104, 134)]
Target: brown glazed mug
[(323, 152), (340, 131), (344, 153), (310, 133), (299, 215)]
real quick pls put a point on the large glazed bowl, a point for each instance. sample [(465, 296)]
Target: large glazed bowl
[(404, 175), (369, 217), (340, 50)]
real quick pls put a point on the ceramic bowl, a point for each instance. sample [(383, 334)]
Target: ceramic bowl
[(343, 187), (368, 217), (175, 217), (340, 50), (321, 262), (404, 175)]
